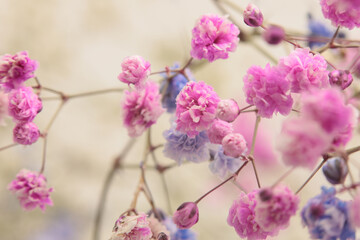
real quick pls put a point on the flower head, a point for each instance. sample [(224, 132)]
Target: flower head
[(218, 130), (234, 145), (341, 78), (132, 228), (227, 110), (135, 70), (274, 34), (345, 13), (186, 215), (30, 188), (253, 17), (213, 38), (26, 133), (224, 165)]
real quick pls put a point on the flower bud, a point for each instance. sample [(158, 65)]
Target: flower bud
[(234, 145), (26, 133), (335, 170), (341, 78), (186, 215), (265, 194), (227, 110), (253, 16), (218, 130), (274, 34)]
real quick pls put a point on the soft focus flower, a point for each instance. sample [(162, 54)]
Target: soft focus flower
[(242, 217), (227, 110), (213, 38), (158, 228), (15, 69), (26, 133), (268, 90), (132, 228), (253, 17), (274, 34), (304, 70), (142, 108), (218, 130), (302, 142), (341, 78), (345, 13), (223, 165), (24, 104), (317, 29), (180, 146), (354, 210), (4, 105), (195, 108), (135, 70), (186, 215), (326, 217), (30, 188), (275, 212), (335, 170), (234, 145)]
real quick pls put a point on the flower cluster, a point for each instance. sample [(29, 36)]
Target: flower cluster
[(345, 13)]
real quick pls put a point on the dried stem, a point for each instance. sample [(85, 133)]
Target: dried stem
[(353, 150), (330, 43), (43, 156), (312, 175), (8, 146), (92, 93), (54, 117), (258, 118)]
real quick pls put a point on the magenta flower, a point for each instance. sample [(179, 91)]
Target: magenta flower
[(304, 70), (234, 145), (4, 105), (135, 70), (142, 108), (24, 104), (195, 108), (268, 90), (213, 38), (30, 188), (345, 13), (253, 17), (132, 228), (186, 215), (218, 130), (15, 69), (26, 133), (227, 110)]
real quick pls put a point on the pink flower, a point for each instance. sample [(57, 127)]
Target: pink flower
[(213, 38), (132, 228), (30, 188), (302, 142), (24, 104), (344, 13), (234, 145), (186, 215), (253, 17), (15, 69), (142, 108), (135, 70), (275, 207), (26, 133), (227, 110), (4, 105), (268, 90), (218, 130), (354, 211), (195, 108), (304, 70)]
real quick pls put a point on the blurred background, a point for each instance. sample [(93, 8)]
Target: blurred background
[(80, 45)]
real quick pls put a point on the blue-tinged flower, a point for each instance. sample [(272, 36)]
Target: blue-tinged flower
[(179, 146), (224, 165), (178, 234), (327, 217)]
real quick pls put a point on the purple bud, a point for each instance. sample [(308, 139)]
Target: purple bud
[(253, 16), (186, 215), (265, 194), (274, 34), (341, 78), (335, 170)]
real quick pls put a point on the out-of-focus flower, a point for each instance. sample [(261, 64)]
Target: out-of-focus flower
[(132, 228), (178, 234), (186, 216), (341, 78), (26, 133), (227, 110), (317, 29), (135, 70), (224, 165), (158, 229), (274, 34), (253, 17)]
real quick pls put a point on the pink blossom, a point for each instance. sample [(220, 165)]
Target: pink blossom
[(345, 13), (354, 211), (26, 133), (218, 130), (132, 228), (24, 104), (234, 145), (275, 207), (253, 17), (227, 110), (195, 108), (4, 105), (135, 70), (30, 188), (213, 38), (142, 108), (305, 70), (15, 69), (302, 142), (268, 90), (186, 216)]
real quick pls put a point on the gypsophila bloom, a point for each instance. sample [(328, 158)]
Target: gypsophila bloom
[(15, 69), (302, 146), (345, 13), (268, 90), (26, 133), (275, 212), (142, 108), (30, 189), (234, 145), (158, 228), (195, 108), (135, 70), (274, 34), (341, 78), (304, 70), (227, 110), (213, 38), (24, 104), (4, 105), (242, 217), (132, 228), (224, 165), (186, 216), (354, 211), (218, 130), (253, 17), (326, 217)]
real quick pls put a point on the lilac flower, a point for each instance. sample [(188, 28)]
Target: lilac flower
[(135, 70), (132, 228), (26, 133), (274, 34), (253, 17), (317, 29), (223, 165), (213, 38)]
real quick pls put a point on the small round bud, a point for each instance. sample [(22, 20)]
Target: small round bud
[(274, 34), (265, 194), (253, 16), (341, 78), (218, 130), (26, 133), (335, 170), (234, 145), (186, 215), (227, 110)]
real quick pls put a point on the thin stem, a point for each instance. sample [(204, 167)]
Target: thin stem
[(283, 176), (330, 43), (86, 94), (353, 150), (53, 91), (258, 118), (54, 117), (311, 176), (37, 81), (8, 146), (186, 65), (244, 108), (43, 156)]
